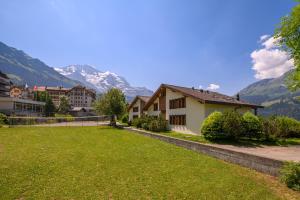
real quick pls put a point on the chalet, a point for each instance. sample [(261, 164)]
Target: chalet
[(186, 108), (136, 107)]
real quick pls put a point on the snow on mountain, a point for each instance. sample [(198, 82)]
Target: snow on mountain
[(101, 81)]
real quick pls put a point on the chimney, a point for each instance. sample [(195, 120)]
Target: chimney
[(193, 88), (238, 96)]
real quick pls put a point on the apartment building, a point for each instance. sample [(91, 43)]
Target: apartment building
[(80, 96), (186, 108), (4, 85)]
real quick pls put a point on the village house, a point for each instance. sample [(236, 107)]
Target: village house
[(186, 108), (136, 107), (21, 92)]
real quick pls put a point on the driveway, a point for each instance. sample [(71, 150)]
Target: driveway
[(284, 153)]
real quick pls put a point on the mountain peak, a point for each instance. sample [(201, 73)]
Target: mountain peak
[(101, 81)]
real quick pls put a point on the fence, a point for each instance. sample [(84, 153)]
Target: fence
[(59, 121)]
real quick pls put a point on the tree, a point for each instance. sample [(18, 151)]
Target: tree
[(111, 103), (44, 97), (288, 35), (64, 105), (49, 107)]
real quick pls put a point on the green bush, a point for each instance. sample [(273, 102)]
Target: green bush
[(290, 175), (288, 127), (151, 123), (63, 118), (137, 122), (212, 127), (3, 119), (270, 128), (232, 124), (252, 126), (125, 118), (154, 126)]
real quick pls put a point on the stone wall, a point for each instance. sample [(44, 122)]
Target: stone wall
[(258, 163)]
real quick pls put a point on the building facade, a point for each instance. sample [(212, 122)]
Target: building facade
[(21, 107), (4, 85), (136, 107), (80, 96), (186, 108), (77, 96)]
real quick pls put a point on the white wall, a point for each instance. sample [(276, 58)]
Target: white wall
[(131, 113), (194, 111), (151, 111)]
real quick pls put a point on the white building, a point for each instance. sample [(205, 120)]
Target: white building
[(186, 108), (21, 107), (136, 107)]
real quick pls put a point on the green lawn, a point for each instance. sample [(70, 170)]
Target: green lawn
[(105, 163)]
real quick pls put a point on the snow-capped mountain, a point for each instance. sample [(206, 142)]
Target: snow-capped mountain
[(101, 81)]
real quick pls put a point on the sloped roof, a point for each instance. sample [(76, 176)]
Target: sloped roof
[(203, 96), (145, 99)]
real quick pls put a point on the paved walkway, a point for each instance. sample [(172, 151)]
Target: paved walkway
[(288, 153)]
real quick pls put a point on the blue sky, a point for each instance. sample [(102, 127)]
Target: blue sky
[(188, 43)]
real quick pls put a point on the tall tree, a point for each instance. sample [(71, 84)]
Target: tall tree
[(64, 105), (111, 103), (288, 35), (49, 107)]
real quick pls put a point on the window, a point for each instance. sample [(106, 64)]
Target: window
[(155, 107), (177, 120), (177, 103), (135, 109)]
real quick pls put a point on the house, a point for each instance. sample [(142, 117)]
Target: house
[(136, 107), (186, 108), (22, 92)]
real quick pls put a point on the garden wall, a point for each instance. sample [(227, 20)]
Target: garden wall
[(258, 163)]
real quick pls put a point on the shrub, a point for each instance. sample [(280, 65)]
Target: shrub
[(232, 124), (212, 126), (290, 175), (137, 122), (3, 119), (125, 118), (145, 126), (252, 126), (154, 125), (288, 127), (151, 123), (270, 129)]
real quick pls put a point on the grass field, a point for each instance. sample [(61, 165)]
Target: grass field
[(106, 163)]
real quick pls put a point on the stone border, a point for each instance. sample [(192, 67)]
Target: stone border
[(258, 163)]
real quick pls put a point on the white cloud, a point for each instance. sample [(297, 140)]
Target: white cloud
[(269, 61), (264, 37), (213, 86)]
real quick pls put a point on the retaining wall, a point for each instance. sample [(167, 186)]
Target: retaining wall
[(258, 163)]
